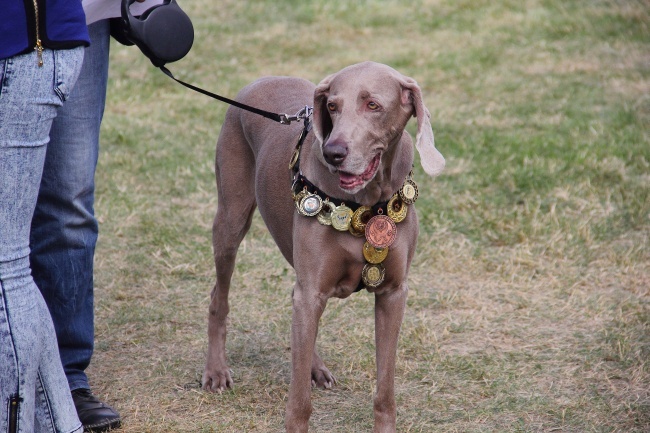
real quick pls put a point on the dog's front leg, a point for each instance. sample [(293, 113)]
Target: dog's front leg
[(389, 312), (307, 310)]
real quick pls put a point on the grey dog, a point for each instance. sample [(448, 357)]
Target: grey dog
[(357, 156)]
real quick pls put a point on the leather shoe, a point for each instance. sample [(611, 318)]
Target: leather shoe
[(93, 414)]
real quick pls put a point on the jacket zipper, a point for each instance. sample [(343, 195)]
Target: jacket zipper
[(14, 402), (39, 45)]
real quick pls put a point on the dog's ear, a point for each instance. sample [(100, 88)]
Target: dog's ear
[(432, 160), (322, 119)]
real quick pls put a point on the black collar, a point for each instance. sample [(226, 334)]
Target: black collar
[(301, 183)]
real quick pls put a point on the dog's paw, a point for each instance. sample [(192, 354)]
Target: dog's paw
[(322, 378), (217, 380)]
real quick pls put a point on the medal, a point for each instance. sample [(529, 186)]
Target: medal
[(373, 275), (341, 217), (354, 232), (294, 158), (325, 215), (396, 209), (297, 198), (359, 219), (409, 191), (310, 205), (374, 255), (381, 231)]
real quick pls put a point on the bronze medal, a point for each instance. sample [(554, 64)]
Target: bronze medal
[(310, 205), (373, 275), (381, 231), (374, 255), (397, 209), (409, 191), (341, 218), (325, 215)]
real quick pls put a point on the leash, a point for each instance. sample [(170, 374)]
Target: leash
[(283, 119)]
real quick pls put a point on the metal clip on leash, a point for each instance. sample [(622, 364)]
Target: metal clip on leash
[(304, 113)]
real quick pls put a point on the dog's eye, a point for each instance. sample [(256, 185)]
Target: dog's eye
[(373, 105), (331, 106)]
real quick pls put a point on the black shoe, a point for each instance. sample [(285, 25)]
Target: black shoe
[(94, 415)]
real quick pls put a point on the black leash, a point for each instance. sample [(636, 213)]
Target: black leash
[(284, 119)]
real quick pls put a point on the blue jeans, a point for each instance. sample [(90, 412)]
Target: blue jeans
[(64, 228), (33, 392)]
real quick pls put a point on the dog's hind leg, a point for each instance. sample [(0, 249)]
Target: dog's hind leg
[(320, 375), (235, 169)]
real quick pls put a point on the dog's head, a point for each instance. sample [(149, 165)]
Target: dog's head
[(359, 112)]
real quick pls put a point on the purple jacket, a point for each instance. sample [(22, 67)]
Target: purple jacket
[(55, 24)]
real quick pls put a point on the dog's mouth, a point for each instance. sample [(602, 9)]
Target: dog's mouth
[(349, 181)]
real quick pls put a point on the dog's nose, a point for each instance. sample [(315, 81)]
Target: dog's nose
[(335, 152)]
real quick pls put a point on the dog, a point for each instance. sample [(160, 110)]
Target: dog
[(332, 215)]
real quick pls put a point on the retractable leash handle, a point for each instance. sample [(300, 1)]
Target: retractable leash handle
[(164, 33)]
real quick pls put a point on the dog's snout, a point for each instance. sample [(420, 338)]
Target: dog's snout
[(335, 152)]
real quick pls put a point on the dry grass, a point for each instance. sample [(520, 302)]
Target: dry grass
[(529, 302)]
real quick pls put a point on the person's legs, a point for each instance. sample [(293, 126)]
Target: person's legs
[(64, 228), (33, 395), (33, 387)]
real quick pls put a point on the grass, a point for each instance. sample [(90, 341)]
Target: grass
[(529, 303)]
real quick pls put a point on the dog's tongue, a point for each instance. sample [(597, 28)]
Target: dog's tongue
[(350, 181)]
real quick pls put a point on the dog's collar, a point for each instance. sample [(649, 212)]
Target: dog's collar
[(301, 183), (377, 223)]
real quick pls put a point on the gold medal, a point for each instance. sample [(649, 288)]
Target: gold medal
[(297, 198), (341, 218), (354, 232), (381, 231), (325, 215), (396, 209), (374, 255), (359, 219), (409, 191), (310, 205), (373, 275), (294, 158)]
